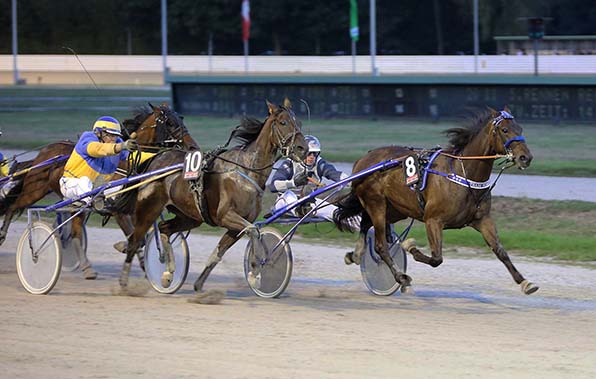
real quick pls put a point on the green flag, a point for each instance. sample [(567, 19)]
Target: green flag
[(354, 32)]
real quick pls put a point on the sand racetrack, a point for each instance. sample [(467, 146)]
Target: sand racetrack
[(466, 319)]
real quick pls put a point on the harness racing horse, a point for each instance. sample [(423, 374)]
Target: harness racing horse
[(153, 126), (232, 189), (383, 198)]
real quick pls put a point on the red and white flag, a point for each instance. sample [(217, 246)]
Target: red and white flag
[(245, 20)]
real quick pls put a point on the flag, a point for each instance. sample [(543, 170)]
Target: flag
[(245, 20), (354, 32)]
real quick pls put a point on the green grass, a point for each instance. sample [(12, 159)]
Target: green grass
[(563, 230), (561, 150)]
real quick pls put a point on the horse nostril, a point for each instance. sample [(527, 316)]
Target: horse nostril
[(523, 158)]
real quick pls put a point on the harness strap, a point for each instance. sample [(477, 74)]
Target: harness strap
[(196, 187)]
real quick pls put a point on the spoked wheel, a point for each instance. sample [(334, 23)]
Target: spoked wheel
[(38, 258), (70, 258), (268, 272), (155, 261), (375, 273)]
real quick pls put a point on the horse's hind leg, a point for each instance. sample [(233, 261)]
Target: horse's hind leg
[(166, 229), (434, 233), (226, 241), (487, 228), (77, 236), (4, 229), (356, 255), (378, 217)]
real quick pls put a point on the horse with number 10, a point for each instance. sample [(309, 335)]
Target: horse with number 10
[(454, 192), (233, 186)]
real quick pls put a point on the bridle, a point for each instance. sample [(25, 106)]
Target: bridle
[(285, 144), (174, 131), (504, 115)]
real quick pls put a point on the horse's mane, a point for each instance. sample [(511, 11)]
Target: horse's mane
[(245, 133), (140, 114), (460, 137)]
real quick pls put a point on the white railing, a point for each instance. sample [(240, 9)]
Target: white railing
[(304, 65)]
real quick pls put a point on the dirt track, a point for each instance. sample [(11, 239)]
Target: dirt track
[(467, 319)]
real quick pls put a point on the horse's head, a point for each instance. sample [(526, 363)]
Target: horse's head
[(286, 131), (506, 138), (160, 125)]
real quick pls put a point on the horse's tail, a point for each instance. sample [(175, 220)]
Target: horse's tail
[(347, 208)]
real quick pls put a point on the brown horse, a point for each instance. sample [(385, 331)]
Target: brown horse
[(384, 198), (233, 188), (156, 126)]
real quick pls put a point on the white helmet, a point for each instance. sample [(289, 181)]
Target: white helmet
[(314, 146)]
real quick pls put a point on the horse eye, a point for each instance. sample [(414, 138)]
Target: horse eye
[(282, 122), (505, 130)]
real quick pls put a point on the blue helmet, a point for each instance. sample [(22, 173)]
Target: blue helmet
[(108, 124)]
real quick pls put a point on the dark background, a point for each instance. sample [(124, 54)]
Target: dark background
[(281, 27)]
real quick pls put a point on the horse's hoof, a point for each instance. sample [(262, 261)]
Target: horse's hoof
[(89, 273), (408, 244), (166, 279), (528, 287), (254, 280), (348, 258), (407, 290), (120, 246)]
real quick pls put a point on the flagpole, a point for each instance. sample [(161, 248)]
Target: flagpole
[(245, 12), (353, 57), (373, 38), (354, 31), (246, 57)]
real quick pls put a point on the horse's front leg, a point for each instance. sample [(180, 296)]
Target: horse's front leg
[(434, 234), (487, 228)]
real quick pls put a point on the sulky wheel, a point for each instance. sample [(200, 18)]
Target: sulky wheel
[(155, 261), (38, 258), (268, 272), (375, 273)]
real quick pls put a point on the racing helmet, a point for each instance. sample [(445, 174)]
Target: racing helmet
[(314, 146), (107, 124)]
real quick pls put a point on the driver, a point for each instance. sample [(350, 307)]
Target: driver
[(94, 161), (293, 179)]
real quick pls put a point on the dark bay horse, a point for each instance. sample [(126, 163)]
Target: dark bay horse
[(384, 198), (156, 126), (233, 188)]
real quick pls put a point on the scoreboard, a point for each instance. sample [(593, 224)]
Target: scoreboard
[(540, 99)]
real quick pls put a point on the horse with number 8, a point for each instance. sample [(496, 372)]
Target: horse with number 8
[(451, 191)]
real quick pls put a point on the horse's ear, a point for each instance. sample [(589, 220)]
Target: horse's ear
[(272, 107), (287, 103), (165, 104), (506, 109), (493, 112)]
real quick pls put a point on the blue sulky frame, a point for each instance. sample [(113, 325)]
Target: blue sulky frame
[(35, 212), (334, 187), (269, 274)]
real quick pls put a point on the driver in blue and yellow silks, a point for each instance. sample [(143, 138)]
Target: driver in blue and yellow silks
[(4, 172), (94, 161), (95, 158)]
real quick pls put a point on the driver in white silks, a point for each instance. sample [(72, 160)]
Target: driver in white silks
[(293, 179)]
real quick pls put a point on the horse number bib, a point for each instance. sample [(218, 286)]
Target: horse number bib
[(192, 165), (411, 170)]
